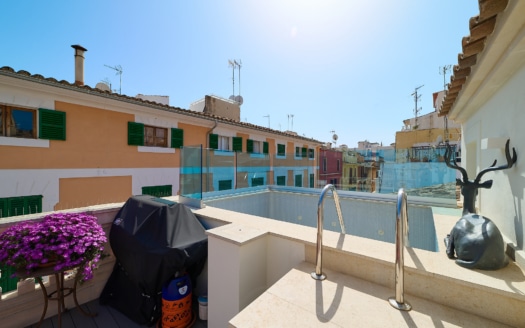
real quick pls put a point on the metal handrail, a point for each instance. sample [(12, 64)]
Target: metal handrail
[(401, 240), (318, 274)]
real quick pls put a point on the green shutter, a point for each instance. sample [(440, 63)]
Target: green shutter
[(135, 134), (3, 208), (214, 141), (16, 206), (299, 180), (51, 124), (249, 146), (157, 191), (303, 152), (6, 282), (281, 180), (281, 150), (33, 204), (177, 138), (237, 144), (257, 182), (312, 180), (225, 184), (265, 147)]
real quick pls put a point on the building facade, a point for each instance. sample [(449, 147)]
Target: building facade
[(68, 145)]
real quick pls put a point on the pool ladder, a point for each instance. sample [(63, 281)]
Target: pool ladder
[(318, 274), (398, 301)]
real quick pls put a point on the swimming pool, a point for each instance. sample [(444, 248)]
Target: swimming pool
[(365, 215)]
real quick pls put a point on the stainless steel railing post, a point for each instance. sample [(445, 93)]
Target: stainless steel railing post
[(318, 274), (398, 301)]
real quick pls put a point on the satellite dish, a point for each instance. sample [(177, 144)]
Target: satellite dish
[(102, 86), (239, 99), (232, 97), (335, 137)]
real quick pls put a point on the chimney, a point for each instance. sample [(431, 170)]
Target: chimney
[(79, 64)]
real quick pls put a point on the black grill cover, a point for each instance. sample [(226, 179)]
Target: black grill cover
[(153, 241)]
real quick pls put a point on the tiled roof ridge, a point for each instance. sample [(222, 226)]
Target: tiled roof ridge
[(481, 27), (6, 70)]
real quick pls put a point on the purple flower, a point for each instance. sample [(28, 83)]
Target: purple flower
[(68, 239)]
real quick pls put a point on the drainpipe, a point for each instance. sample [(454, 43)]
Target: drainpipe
[(208, 134), (208, 157), (79, 64)]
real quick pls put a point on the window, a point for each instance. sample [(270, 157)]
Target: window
[(147, 135), (310, 153), (225, 184), (297, 151), (16, 122), (257, 182), (281, 180), (281, 150), (338, 165), (303, 152), (224, 143), (256, 147), (312, 180), (13, 206), (157, 191), (298, 180), (324, 164), (155, 136)]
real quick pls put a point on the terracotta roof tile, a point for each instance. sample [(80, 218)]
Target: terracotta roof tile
[(6, 70), (481, 27)]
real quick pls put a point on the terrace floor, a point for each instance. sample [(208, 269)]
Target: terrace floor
[(107, 317)]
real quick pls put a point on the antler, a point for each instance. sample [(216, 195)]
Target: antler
[(452, 164), (493, 167)]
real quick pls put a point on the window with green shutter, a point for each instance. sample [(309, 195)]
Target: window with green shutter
[(52, 124), (22, 205), (213, 141), (177, 138), (225, 184), (281, 180), (237, 144), (312, 180), (135, 134), (304, 152), (298, 180), (281, 150), (157, 191), (249, 146), (257, 182), (265, 147)]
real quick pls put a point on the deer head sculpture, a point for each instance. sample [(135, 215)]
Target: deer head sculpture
[(469, 188), (475, 241)]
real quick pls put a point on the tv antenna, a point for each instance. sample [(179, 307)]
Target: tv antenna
[(290, 116), (416, 99), (334, 137), (443, 71), (268, 120), (118, 69), (236, 64)]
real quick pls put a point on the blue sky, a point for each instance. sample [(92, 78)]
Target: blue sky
[(348, 66)]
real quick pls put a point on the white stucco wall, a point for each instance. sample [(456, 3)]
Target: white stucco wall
[(500, 118)]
